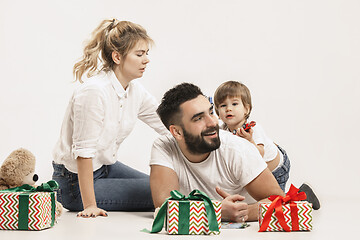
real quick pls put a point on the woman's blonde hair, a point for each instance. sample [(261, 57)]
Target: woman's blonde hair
[(233, 89), (111, 35)]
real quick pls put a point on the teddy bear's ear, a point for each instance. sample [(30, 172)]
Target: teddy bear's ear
[(8, 168)]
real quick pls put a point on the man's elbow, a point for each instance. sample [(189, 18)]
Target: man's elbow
[(263, 186)]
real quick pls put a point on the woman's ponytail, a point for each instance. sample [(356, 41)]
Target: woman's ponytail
[(111, 35)]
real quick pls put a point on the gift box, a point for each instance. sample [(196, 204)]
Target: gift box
[(28, 208), (286, 213), (196, 214)]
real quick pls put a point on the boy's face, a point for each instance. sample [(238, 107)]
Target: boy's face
[(232, 112)]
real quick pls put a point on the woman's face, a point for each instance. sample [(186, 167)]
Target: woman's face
[(135, 62)]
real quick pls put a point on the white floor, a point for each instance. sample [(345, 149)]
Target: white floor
[(334, 220)]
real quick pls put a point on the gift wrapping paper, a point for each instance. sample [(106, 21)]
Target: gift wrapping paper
[(198, 221), (27, 211), (304, 214)]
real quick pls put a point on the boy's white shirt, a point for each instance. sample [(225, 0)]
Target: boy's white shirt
[(260, 137)]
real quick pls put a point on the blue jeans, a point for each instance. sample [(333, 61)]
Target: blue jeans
[(281, 174), (117, 188)]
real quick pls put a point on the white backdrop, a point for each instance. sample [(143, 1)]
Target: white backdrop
[(300, 60)]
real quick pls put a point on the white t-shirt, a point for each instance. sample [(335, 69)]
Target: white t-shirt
[(270, 149), (231, 167), (260, 137), (100, 115)]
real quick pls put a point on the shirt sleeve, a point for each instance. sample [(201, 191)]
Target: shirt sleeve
[(258, 135), (270, 149), (148, 115), (161, 153), (88, 108), (248, 163)]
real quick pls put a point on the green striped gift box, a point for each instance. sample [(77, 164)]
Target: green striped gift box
[(196, 220), (28, 208)]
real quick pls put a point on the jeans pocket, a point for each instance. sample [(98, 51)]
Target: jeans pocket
[(74, 191), (68, 186), (282, 178), (282, 174), (101, 173), (58, 195)]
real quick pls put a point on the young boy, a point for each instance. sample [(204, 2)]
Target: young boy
[(233, 106)]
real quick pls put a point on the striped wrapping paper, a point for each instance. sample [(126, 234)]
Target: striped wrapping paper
[(198, 222), (304, 214)]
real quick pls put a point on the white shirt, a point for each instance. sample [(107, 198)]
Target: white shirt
[(260, 137), (231, 167), (100, 115)]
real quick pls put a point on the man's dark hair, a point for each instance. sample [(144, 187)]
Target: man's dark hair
[(169, 108)]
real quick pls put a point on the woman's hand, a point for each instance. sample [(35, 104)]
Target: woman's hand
[(92, 211)]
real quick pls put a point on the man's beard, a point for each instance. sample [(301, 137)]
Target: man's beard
[(198, 145)]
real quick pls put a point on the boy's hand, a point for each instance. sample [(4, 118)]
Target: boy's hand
[(244, 134)]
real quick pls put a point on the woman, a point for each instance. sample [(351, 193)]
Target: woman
[(101, 114)]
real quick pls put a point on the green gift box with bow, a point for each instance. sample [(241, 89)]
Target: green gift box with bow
[(28, 208), (195, 214)]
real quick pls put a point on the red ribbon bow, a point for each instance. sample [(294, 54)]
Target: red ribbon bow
[(277, 202)]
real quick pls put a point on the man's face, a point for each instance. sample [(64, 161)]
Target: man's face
[(200, 126)]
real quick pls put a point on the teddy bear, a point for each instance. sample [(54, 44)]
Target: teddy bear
[(18, 169)]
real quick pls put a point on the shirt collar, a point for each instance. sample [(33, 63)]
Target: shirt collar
[(120, 91)]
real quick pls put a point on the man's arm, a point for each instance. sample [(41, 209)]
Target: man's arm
[(262, 187), (162, 181)]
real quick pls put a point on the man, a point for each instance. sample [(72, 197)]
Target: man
[(198, 156)]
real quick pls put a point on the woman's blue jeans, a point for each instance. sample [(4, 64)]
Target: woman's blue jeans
[(117, 188)]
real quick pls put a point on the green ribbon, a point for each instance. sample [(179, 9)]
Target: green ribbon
[(50, 186), (23, 211), (26, 189), (184, 211)]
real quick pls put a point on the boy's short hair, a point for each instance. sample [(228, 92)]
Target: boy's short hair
[(233, 89), (169, 109)]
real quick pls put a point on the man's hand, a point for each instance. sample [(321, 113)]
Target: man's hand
[(232, 208)]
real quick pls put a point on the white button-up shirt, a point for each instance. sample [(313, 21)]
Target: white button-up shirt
[(100, 115)]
